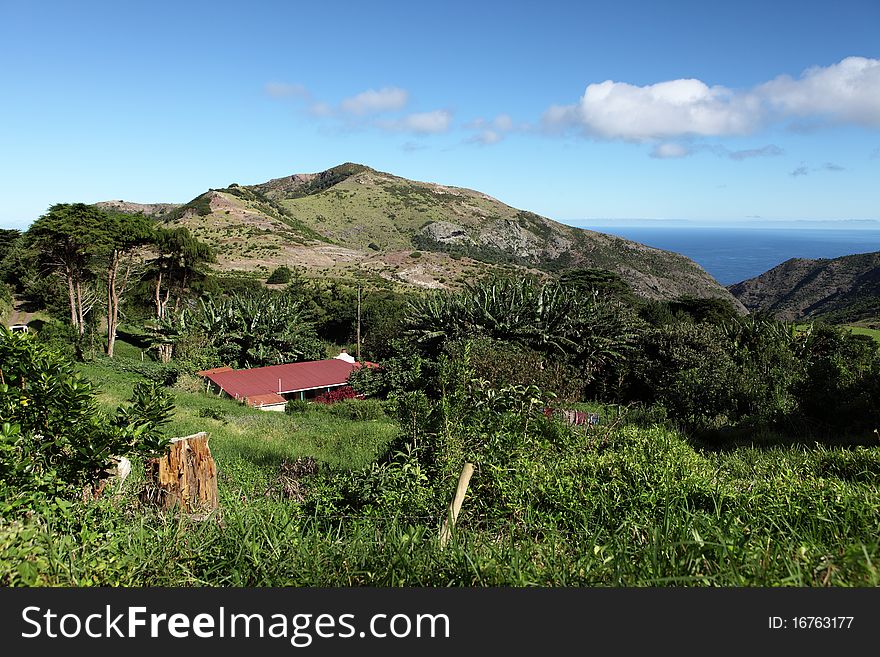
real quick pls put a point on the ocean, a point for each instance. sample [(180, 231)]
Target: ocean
[(732, 255)]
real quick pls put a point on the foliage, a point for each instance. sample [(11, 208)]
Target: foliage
[(702, 310), (336, 395), (588, 281), (5, 300), (201, 205), (53, 438), (587, 330), (297, 406), (405, 371), (359, 409), (163, 374), (553, 506), (841, 386), (195, 351), (248, 330), (189, 383), (218, 285), (8, 238), (709, 376), (282, 274), (504, 363), (179, 265), (67, 240)]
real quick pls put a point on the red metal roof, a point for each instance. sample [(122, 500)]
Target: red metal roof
[(214, 370), (268, 399), (287, 378)]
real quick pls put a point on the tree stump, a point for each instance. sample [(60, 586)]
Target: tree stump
[(186, 477)]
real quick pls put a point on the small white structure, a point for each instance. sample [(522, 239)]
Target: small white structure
[(344, 355), (19, 328)]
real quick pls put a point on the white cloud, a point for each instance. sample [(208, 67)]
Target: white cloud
[(670, 150), (771, 150), (320, 109), (804, 170), (375, 101), (356, 112), (423, 123), (486, 137), (617, 110), (285, 90), (490, 132), (412, 147), (559, 117), (848, 92), (503, 122)]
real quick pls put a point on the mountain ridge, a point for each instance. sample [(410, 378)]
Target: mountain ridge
[(843, 289), (354, 220)]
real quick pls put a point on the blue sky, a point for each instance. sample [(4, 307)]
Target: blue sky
[(579, 111)]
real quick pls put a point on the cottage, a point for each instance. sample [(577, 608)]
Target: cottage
[(269, 388)]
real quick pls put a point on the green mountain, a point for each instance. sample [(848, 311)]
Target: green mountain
[(841, 290), (352, 220)]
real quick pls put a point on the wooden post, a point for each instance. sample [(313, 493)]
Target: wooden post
[(359, 326), (455, 506), (186, 477)]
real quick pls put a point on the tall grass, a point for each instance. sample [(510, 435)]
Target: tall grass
[(624, 506)]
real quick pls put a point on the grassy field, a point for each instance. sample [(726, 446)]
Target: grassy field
[(250, 445), (855, 329), (632, 505), (861, 330)]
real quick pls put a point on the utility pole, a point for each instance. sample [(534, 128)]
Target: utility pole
[(359, 326)]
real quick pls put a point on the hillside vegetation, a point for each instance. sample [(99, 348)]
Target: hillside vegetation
[(352, 220), (631, 503), (839, 290)]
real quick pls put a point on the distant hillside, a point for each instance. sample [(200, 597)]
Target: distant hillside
[(354, 220), (150, 209), (845, 289)]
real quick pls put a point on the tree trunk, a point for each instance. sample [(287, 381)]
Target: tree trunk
[(112, 301), (71, 295), (79, 308), (165, 351), (161, 304), (186, 477)]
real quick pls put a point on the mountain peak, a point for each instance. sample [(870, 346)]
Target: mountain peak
[(352, 220)]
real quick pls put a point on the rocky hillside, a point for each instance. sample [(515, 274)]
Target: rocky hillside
[(354, 220), (845, 289)]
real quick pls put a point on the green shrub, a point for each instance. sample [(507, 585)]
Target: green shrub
[(165, 374), (359, 409), (841, 384), (281, 275), (60, 336), (5, 299), (54, 441), (212, 413), (189, 383), (298, 406)]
